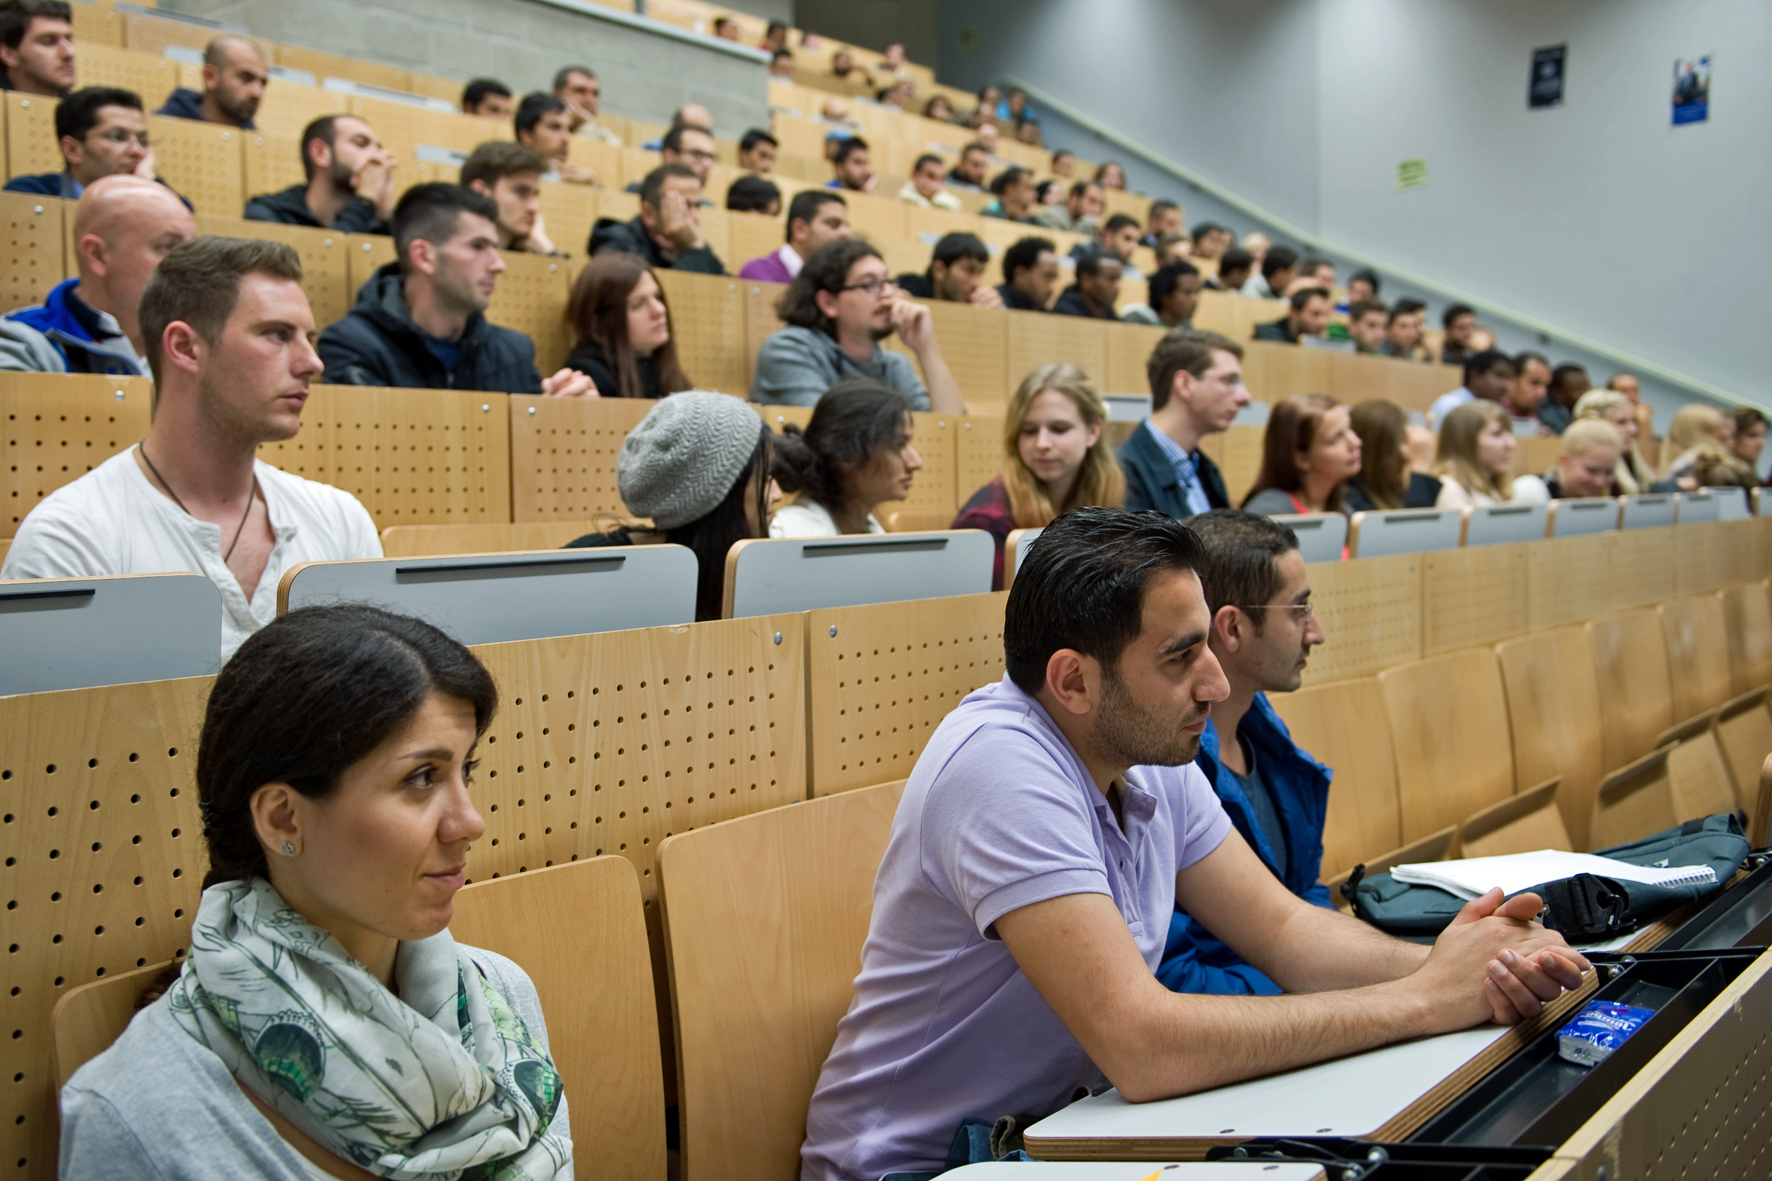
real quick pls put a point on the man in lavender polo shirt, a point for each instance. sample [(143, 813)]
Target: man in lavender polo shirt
[(1049, 829), (815, 217)]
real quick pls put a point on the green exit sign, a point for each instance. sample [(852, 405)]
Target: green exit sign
[(1412, 173)]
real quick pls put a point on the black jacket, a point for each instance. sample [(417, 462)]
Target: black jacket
[(1151, 482), (1017, 300), (916, 286), (1280, 330), (185, 103), (590, 359), (1424, 492), (630, 237), (290, 208), (1072, 303), (378, 344)]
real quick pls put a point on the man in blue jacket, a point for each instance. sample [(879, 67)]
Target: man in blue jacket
[(1258, 590), (1196, 390)]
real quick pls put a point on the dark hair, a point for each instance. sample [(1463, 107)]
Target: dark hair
[(1292, 426), (1383, 429), (855, 420), (481, 89), (1488, 359), (1118, 222), (1520, 360), (306, 698), (806, 204), (1407, 306), (1079, 187), (199, 284), (1312, 264), (1024, 255), (1366, 307), (673, 139), (1082, 587), (753, 194), (1277, 259), (77, 114), (16, 17), (1242, 552), (1090, 262), (1204, 228), (492, 162), (1746, 418), (1452, 313), (975, 146), (1368, 275), (956, 246), (827, 270), (784, 51), (1167, 279), (323, 129), (531, 110), (564, 73), (1235, 258), (756, 136), (775, 27), (1057, 152), (1014, 174), (711, 537), (652, 188), (432, 212), (1557, 374), (1303, 296), (847, 148), (1158, 207), (927, 158), (597, 311), (1183, 348)]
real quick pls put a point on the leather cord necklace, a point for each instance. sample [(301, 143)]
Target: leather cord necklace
[(142, 447)]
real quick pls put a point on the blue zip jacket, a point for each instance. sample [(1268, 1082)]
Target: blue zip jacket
[(1194, 960), (66, 325)]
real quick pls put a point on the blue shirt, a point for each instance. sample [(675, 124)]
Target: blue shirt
[(1446, 404), (446, 351), (1187, 469)]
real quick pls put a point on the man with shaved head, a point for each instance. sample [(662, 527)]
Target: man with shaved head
[(123, 227), (235, 73), (688, 115)]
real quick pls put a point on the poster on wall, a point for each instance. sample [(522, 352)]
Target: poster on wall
[(1546, 89), (1691, 90)]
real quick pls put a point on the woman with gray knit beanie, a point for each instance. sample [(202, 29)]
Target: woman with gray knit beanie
[(698, 466)]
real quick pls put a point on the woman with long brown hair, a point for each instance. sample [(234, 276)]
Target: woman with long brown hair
[(1054, 459), (622, 325), (1475, 457), (1308, 455), (1385, 480)]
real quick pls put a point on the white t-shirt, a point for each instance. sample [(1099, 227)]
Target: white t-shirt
[(1527, 490), (811, 519), (113, 520)]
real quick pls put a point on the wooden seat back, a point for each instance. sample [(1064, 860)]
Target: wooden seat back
[(764, 921), (1518, 824), (1633, 802), (1747, 622), (1697, 654), (1449, 728), (1744, 731), (1553, 706), (1344, 726), (87, 1019), (1636, 698)]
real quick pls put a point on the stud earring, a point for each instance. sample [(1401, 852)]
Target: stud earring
[(288, 849)]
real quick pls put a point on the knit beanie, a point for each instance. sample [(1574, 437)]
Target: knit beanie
[(685, 456)]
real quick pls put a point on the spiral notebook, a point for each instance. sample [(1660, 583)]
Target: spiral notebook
[(1475, 876)]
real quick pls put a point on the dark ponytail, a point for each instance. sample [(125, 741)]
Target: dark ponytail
[(305, 698), (856, 419)]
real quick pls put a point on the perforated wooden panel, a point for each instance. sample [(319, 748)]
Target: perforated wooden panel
[(1354, 378), (1642, 567), (754, 236), (153, 34), (364, 255), (398, 123), (1128, 348), (601, 158), (1370, 610), (325, 260), (707, 316), (103, 859), (413, 457), (202, 162), (1287, 370), (288, 107), (33, 248), (1037, 338), (563, 455), (271, 163), (975, 344), (980, 458), (1568, 580), (56, 427), (148, 74), (531, 298), (935, 436), (778, 417), (567, 214), (30, 136), (96, 24), (881, 678), (609, 743), (1702, 556), (1472, 597), (760, 320)]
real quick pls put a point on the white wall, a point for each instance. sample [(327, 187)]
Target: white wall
[(1597, 217)]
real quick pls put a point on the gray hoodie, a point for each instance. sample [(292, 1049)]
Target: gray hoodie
[(797, 365)]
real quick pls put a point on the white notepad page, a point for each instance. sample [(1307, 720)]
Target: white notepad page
[(1475, 876)]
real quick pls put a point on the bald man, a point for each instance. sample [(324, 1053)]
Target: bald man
[(688, 115), (123, 227), (235, 74)]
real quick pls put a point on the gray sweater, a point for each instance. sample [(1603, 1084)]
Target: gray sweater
[(159, 1105), (797, 365)]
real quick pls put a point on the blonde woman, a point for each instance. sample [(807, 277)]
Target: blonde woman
[(1054, 459), (1634, 474), (1476, 448), (1699, 434)]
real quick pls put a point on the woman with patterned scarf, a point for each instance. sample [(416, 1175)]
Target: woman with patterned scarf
[(324, 1024)]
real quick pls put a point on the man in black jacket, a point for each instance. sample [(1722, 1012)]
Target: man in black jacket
[(420, 321), (1096, 289), (350, 185), (1308, 317), (1196, 390), (1030, 268), (667, 234)]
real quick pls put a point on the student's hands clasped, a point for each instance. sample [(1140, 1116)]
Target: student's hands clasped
[(1521, 965), (569, 383)]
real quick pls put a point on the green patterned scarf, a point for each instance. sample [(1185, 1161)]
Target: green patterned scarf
[(440, 1083)]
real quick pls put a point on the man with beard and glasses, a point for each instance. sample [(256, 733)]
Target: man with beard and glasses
[(1050, 827), (349, 186), (229, 338), (1258, 592), (234, 77)]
